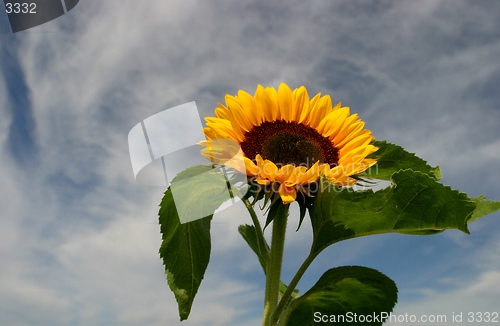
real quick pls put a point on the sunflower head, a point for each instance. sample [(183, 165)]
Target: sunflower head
[(284, 141)]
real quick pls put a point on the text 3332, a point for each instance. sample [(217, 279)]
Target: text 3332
[(17, 8)]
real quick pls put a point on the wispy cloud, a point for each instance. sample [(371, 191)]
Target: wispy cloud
[(474, 304), (79, 237)]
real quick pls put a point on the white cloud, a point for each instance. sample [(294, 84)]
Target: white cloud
[(80, 238), (479, 296), (4, 112), (120, 264)]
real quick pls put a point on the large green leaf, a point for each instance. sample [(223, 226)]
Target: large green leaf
[(347, 295), (416, 203), (192, 198), (392, 158), (185, 251)]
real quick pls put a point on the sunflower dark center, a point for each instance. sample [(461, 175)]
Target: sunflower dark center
[(289, 148), (289, 143)]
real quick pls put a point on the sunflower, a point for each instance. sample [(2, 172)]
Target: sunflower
[(283, 139)]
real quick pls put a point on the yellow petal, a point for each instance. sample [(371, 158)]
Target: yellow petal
[(344, 181), (221, 112), (333, 122), (334, 172), (351, 125), (268, 103), (301, 104), (263, 182), (306, 116), (267, 169), (288, 194), (285, 172), (285, 102), (251, 108), (312, 174), (358, 142), (239, 120), (321, 108)]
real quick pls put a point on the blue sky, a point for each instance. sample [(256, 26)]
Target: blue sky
[(79, 238)]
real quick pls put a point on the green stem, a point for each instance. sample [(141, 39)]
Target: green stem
[(261, 241), (289, 290), (273, 273)]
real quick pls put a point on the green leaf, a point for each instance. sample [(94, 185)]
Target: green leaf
[(421, 232), (250, 235), (199, 190), (283, 287), (346, 295), (484, 207), (416, 204), (194, 195), (185, 251), (392, 158)]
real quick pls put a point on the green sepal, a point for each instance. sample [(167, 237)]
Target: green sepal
[(269, 197), (392, 158), (254, 191), (344, 292), (304, 201), (415, 204), (274, 207)]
